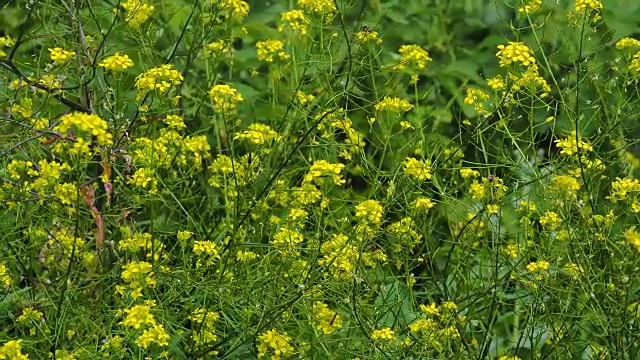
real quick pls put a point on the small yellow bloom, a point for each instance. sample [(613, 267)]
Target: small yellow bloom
[(60, 56)]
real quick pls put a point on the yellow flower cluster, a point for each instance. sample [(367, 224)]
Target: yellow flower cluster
[(417, 169), (369, 36), (304, 98), (413, 55), (275, 344), (422, 204), (572, 143), (327, 321), (621, 189), (218, 48), (491, 186), (159, 78), (5, 41), (174, 122), (627, 42), (234, 9), (539, 268), (5, 278), (322, 172), (137, 12), (12, 350), (153, 335), (550, 220), (205, 321), (476, 97), (239, 171), (139, 315), (225, 98), (530, 6), (593, 7), (60, 56), (86, 123), (116, 62), (137, 274), (565, 185), (296, 19), (384, 333), (509, 358), (258, 134), (287, 239), (369, 212), (635, 63), (325, 8), (632, 237), (207, 252), (142, 177), (393, 104), (339, 254), (270, 49), (515, 53)]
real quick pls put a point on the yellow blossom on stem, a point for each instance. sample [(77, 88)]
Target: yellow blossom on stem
[(393, 104), (60, 56), (274, 343), (116, 62), (385, 334)]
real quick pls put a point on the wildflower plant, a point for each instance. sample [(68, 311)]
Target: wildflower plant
[(319, 179)]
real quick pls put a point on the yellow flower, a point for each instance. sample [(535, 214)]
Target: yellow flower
[(155, 334), (565, 185), (539, 268), (269, 49), (175, 122), (570, 144), (184, 235), (594, 7), (206, 250), (12, 350), (258, 134), (234, 9), (530, 7), (369, 211), (296, 20), (393, 104), (467, 173), (627, 42), (136, 12), (422, 204), (622, 188), (368, 35), (515, 52), (275, 343), (286, 239), (322, 171), (476, 97), (413, 55), (5, 278), (87, 123), (60, 56), (142, 177), (116, 62), (138, 316), (225, 98), (550, 220), (417, 169), (383, 334), (325, 8), (5, 41), (327, 320), (632, 237), (159, 78)]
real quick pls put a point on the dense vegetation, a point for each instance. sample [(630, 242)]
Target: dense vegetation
[(319, 179)]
